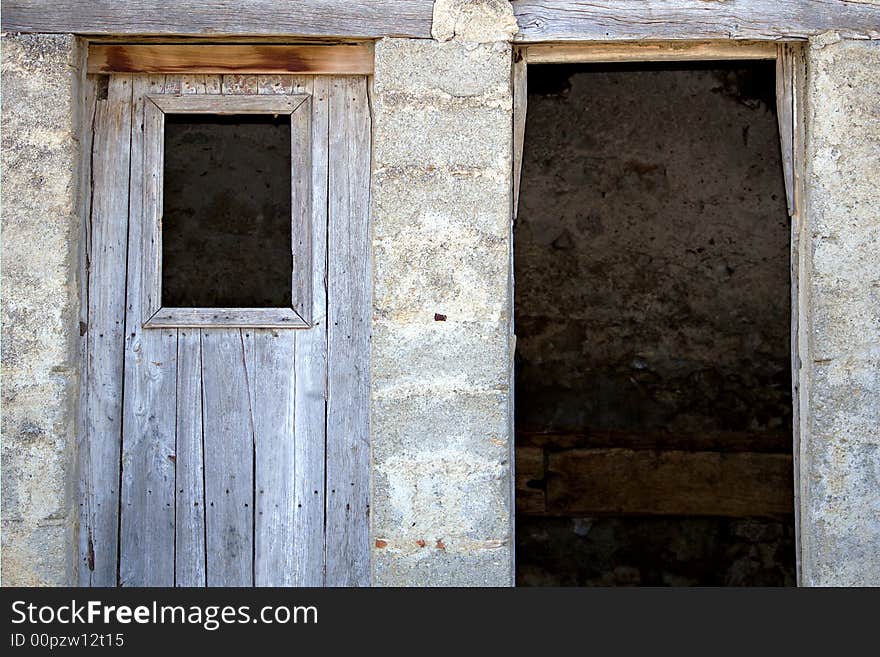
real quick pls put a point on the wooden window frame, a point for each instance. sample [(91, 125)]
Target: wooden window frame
[(298, 314)]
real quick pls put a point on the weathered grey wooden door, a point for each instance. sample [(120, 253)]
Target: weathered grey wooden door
[(226, 456)]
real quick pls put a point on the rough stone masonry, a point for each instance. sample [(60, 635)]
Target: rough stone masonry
[(442, 322), (40, 251), (840, 317)]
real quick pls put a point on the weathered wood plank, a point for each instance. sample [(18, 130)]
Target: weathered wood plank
[(520, 109), (629, 20), (795, 70), (231, 317), (220, 104), (190, 530), (148, 447), (349, 276), (300, 204), (566, 53), (229, 458), (377, 18), (274, 373), (150, 197), (229, 384), (106, 322), (785, 116), (88, 107), (721, 441), (539, 20), (621, 481), (189, 545), (275, 369), (311, 364), (353, 59)]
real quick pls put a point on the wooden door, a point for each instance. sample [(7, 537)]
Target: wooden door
[(219, 455)]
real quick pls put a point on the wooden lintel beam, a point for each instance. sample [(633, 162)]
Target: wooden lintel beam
[(649, 51), (634, 20), (219, 59), (539, 20), (222, 18)]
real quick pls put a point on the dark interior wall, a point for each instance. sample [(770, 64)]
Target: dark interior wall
[(652, 312)]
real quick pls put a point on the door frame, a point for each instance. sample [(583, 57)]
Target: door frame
[(790, 103), (347, 562)]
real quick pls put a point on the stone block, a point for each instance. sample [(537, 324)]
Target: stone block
[(439, 357)]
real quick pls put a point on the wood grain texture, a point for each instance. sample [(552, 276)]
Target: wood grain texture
[(629, 20), (105, 338), (229, 457), (150, 201), (646, 482), (147, 528), (310, 394), (88, 107), (520, 109), (564, 53), (300, 204), (539, 20), (792, 70), (231, 317), (190, 556), (785, 116), (355, 59), (227, 104), (275, 370), (189, 544), (349, 285), (225, 430), (722, 441), (377, 18)]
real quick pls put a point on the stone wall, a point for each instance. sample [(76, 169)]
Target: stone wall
[(652, 248), (840, 318), (442, 344), (40, 267)]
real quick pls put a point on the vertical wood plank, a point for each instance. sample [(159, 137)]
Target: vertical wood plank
[(189, 544), (105, 337), (149, 430), (520, 109), (784, 113), (273, 371), (300, 204), (229, 388), (229, 458), (797, 61), (275, 380), (88, 107), (310, 394), (348, 453), (189, 526)]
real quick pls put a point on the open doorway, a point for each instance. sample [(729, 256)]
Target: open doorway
[(653, 371)]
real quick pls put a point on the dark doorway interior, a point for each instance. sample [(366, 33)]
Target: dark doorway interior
[(653, 383)]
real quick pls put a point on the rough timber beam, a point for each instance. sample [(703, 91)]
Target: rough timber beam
[(539, 20)]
